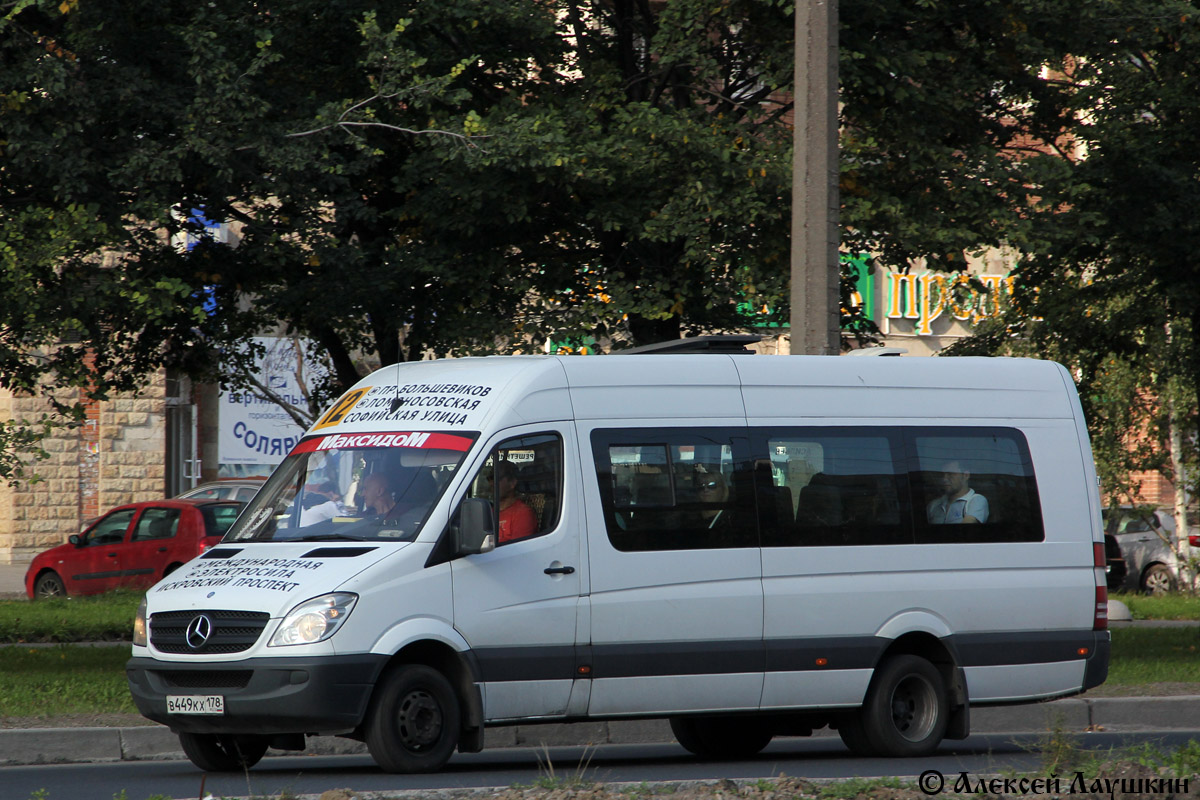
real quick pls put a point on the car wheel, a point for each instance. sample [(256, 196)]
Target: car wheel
[(906, 711), (721, 737), (49, 584), (218, 752), (1157, 579), (415, 722)]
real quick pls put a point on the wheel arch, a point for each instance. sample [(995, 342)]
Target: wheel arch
[(43, 572), (458, 668), (940, 652)]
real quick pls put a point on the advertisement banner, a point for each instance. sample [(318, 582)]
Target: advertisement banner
[(256, 431)]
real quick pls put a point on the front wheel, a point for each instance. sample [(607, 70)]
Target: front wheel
[(415, 722), (906, 709), (721, 737), (220, 752), (49, 585), (1158, 580)]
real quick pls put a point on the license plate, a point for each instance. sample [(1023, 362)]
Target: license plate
[(195, 704)]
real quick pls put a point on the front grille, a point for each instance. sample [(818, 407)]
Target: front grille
[(232, 631), (207, 679)]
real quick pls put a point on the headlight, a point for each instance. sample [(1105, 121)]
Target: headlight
[(314, 620), (139, 625)]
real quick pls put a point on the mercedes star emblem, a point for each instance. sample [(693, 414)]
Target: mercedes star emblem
[(198, 631)]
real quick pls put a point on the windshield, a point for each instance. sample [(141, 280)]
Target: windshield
[(358, 487)]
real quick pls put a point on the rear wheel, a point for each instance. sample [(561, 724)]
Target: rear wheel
[(1158, 580), (415, 723), (906, 710), (219, 752), (721, 737), (49, 584)]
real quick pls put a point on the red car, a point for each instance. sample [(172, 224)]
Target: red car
[(131, 547)]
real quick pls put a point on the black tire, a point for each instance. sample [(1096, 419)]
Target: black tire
[(415, 720), (49, 584), (219, 752), (854, 736), (171, 568), (1158, 580), (906, 710), (721, 737)]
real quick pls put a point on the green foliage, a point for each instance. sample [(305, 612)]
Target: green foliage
[(1166, 606), (106, 617), (1107, 286), (855, 787), (67, 679), (1143, 656), (420, 178)]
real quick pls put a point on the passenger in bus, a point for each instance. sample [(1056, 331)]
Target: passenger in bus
[(320, 504), (517, 520), (713, 491), (959, 503)]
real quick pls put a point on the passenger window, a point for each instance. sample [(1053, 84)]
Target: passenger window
[(830, 486), (522, 478), (974, 485), (682, 489), (110, 530), (156, 523)]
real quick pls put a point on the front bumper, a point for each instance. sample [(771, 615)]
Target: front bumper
[(327, 695)]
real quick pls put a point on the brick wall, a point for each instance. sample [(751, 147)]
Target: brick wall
[(117, 456)]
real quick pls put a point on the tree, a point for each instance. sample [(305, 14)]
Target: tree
[(944, 107), (404, 179), (1111, 289), (657, 159)]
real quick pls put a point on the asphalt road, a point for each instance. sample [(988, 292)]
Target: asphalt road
[(823, 757)]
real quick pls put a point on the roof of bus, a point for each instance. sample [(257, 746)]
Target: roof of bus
[(491, 392)]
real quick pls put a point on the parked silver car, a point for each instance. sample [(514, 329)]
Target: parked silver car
[(242, 489), (1148, 545)]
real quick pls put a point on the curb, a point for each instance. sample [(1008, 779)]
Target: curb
[(27, 746)]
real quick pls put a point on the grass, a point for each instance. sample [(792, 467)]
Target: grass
[(100, 618), (1168, 606), (43, 681), (1154, 655)]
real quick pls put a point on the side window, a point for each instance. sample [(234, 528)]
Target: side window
[(675, 489), (219, 519), (973, 485), (156, 523), (110, 530), (523, 479), (830, 486)]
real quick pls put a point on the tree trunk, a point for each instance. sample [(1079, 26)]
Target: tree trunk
[(1179, 468)]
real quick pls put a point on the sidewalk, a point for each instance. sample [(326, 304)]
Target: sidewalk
[(12, 580), (149, 742)]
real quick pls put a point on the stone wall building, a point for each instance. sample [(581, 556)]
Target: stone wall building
[(118, 455)]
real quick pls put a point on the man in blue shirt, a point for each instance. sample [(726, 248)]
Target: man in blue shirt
[(960, 503)]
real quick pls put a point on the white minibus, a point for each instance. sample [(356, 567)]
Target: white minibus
[(749, 546)]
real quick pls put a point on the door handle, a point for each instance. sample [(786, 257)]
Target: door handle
[(112, 555), (558, 570)]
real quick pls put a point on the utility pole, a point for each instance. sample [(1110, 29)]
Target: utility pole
[(815, 317)]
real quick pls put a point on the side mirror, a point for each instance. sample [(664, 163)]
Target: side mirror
[(75, 540), (473, 533)]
